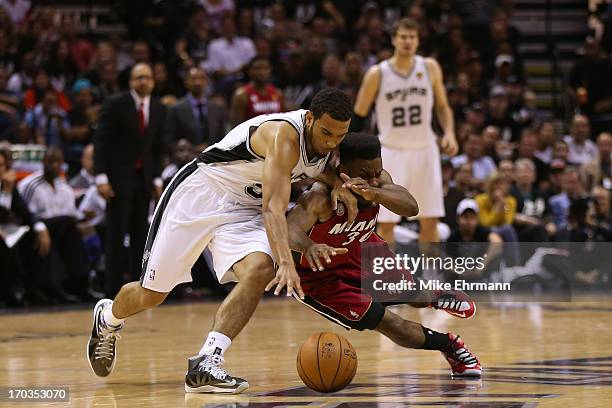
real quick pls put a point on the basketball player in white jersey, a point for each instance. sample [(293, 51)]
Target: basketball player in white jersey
[(232, 200), (405, 90)]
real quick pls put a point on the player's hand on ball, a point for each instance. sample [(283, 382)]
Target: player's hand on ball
[(316, 252), (345, 195), (449, 144), (286, 275)]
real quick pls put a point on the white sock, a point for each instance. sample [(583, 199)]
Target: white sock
[(109, 317), (216, 343)]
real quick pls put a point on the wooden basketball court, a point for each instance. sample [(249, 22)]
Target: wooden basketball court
[(553, 355)]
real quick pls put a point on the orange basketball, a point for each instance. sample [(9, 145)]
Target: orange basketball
[(326, 362)]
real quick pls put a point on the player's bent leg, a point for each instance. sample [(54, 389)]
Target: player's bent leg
[(402, 332), (108, 319), (204, 373), (413, 335), (254, 272)]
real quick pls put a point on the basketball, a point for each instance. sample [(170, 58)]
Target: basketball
[(326, 362)]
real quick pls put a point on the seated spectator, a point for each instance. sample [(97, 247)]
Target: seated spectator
[(228, 56), (560, 151), (194, 117), (353, 74), (469, 229), (555, 177), (547, 137), (183, 153), (581, 149), (490, 137), (294, 83), (47, 123), (42, 84), (531, 204), (499, 115), (603, 212), (497, 206), (598, 171), (60, 66), (526, 149), (85, 179), (571, 190), (19, 270), (475, 116), (591, 75), (460, 188), (259, 96), (506, 170), (165, 84), (52, 200), (83, 119), (504, 150), (497, 211), (482, 166)]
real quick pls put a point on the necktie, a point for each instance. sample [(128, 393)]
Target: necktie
[(201, 114), (141, 120), (202, 123)]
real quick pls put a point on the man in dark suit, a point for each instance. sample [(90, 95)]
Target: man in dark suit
[(194, 117), (128, 154)]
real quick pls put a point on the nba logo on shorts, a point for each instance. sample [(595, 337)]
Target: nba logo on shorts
[(152, 274)]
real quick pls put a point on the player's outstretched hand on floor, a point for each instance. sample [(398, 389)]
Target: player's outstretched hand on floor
[(286, 275), (316, 252)]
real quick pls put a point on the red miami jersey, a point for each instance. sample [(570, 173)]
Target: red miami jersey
[(336, 233), (260, 104)]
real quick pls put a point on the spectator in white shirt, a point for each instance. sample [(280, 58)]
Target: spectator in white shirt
[(52, 200), (482, 166), (228, 55), (581, 149)]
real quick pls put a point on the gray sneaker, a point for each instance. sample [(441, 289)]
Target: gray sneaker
[(204, 374), (101, 351)]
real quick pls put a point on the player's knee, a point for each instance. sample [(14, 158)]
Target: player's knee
[(150, 298), (256, 269)]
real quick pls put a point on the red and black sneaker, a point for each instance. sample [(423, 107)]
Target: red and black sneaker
[(454, 302), (463, 363)]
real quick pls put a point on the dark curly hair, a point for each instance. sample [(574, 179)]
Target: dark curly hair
[(359, 146), (332, 101)]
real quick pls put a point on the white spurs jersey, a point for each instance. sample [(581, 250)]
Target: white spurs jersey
[(404, 106), (238, 170)]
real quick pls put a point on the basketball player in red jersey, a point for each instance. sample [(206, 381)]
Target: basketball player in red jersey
[(259, 96), (330, 264)]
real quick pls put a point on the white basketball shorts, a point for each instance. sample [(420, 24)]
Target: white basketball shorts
[(191, 215), (419, 171)]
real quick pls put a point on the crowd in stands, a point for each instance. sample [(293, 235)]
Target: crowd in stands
[(216, 63)]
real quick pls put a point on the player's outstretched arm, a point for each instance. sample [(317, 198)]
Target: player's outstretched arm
[(365, 98), (442, 108), (338, 193), (388, 194), (312, 206), (281, 145)]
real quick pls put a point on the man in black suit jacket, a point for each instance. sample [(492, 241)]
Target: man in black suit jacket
[(195, 118), (19, 266), (128, 154)]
